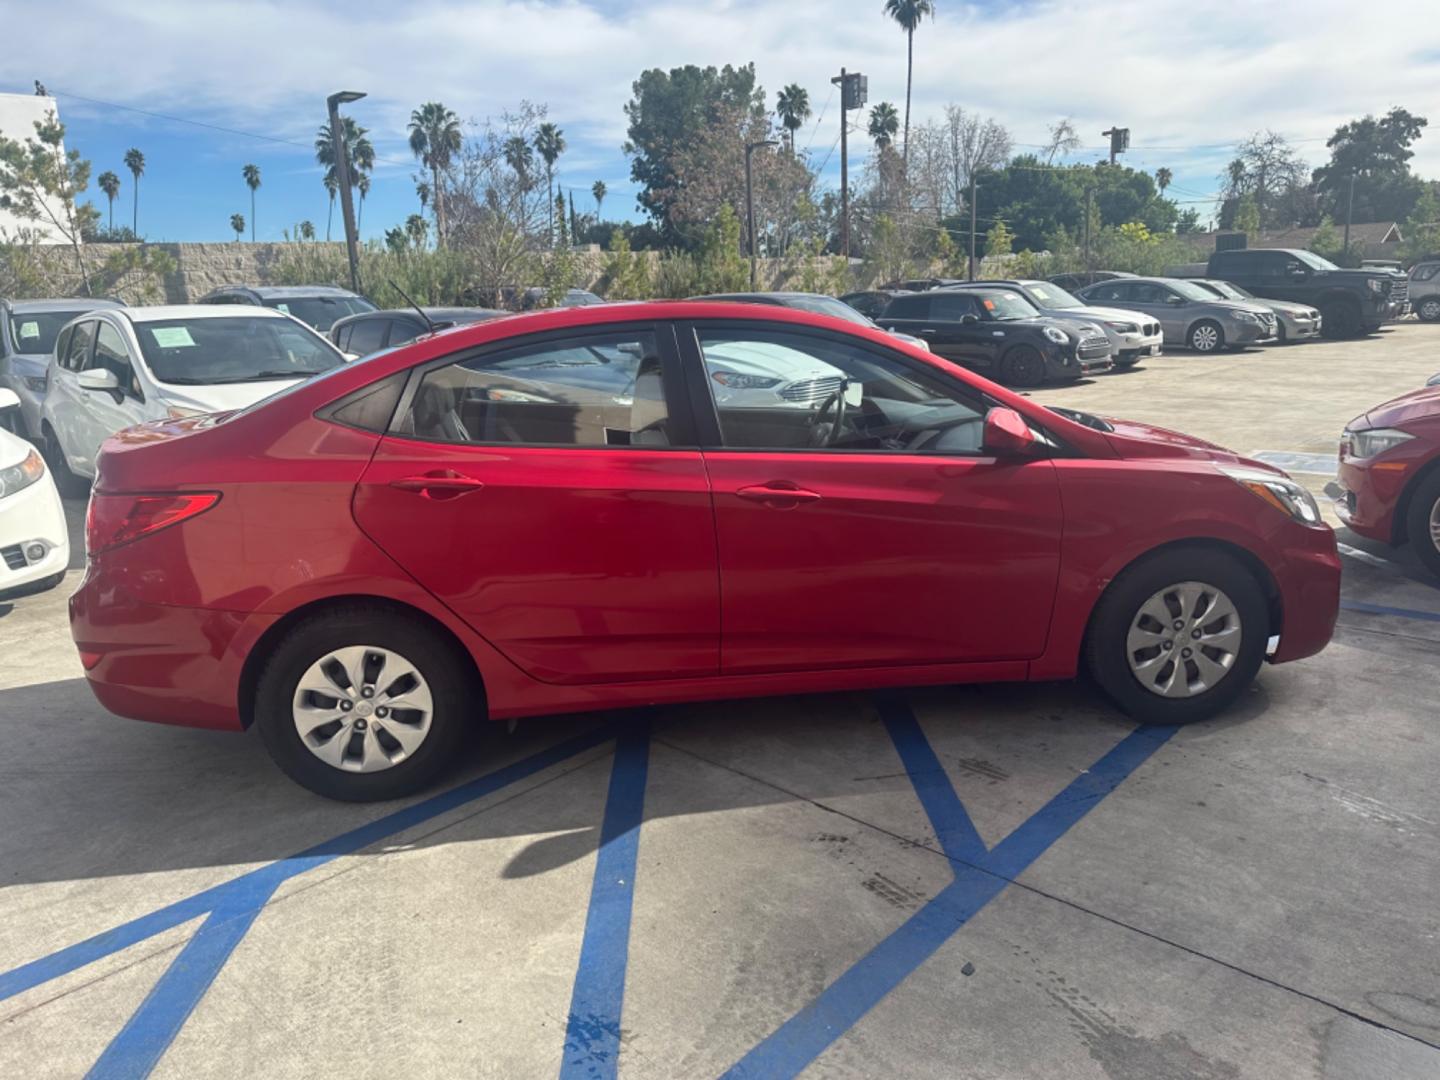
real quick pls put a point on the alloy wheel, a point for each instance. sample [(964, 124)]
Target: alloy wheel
[(362, 708), (1430, 309), (1184, 640), (1205, 338), (1435, 525)]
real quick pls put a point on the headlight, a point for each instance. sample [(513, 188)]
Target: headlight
[(734, 380), (1122, 327), (1279, 491), (1368, 443), (18, 477), (37, 386), (1245, 316), (1375, 285), (1058, 336)]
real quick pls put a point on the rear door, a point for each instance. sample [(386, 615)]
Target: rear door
[(550, 492)]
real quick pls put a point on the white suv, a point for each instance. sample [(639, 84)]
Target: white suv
[(1425, 289)]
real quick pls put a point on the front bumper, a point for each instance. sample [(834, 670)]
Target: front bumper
[(1308, 577), (30, 516), (1368, 496), (1247, 333), (1299, 329)]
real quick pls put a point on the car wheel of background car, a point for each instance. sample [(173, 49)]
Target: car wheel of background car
[(1206, 336), (1422, 521), (67, 483), (1281, 338), (1429, 309), (1022, 366), (361, 703), (1178, 636), (1339, 318)]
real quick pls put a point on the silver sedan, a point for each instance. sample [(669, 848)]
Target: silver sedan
[(1188, 313), (1296, 321)]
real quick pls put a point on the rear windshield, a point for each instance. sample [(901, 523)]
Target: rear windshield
[(320, 311), (232, 349), (36, 331)]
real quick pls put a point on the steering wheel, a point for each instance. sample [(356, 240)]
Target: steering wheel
[(832, 435)]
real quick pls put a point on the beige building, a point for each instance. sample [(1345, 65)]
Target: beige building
[(18, 115)]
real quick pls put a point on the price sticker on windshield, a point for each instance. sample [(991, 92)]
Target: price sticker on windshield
[(989, 305), (172, 337)]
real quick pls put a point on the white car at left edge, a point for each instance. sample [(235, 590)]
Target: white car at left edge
[(34, 544)]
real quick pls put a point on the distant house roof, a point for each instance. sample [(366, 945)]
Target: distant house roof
[(1367, 233)]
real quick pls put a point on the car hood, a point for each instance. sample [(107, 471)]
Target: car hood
[(222, 398), (1254, 308), (1357, 275), (1104, 313), (1133, 439), (1422, 404), (13, 449)]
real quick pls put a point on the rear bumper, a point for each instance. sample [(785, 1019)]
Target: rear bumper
[(1308, 576), (170, 665)]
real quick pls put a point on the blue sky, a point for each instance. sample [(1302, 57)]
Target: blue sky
[(1189, 80)]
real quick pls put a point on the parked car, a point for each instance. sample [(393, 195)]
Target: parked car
[(1293, 322), (871, 303), (370, 331), (815, 302), (316, 305), (538, 297), (28, 329), (1424, 289), (1389, 477), (1075, 282), (34, 544), (921, 284), (999, 332), (1132, 335), (1350, 302), (115, 368), (456, 554), (1188, 313)]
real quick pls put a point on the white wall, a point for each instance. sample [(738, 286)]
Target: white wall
[(18, 113)]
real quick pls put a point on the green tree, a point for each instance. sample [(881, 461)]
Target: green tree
[(307, 230), (1376, 153), (416, 228), (558, 220), (520, 158), (908, 14), (1327, 241), (626, 275), (332, 186), (998, 241), (359, 153), (793, 108), (435, 140), (1268, 169), (237, 222), (110, 185), (1422, 227), (550, 144), (721, 267), (1247, 217), (40, 180), (252, 181), (362, 187), (1162, 179), (883, 124), (598, 190), (135, 162)]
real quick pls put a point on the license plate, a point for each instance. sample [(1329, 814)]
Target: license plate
[(1154, 350)]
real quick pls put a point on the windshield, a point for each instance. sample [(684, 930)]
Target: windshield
[(1051, 296), (828, 305), (232, 349), (1228, 291), (1006, 306), (320, 311), (1190, 290), (36, 331), (1315, 262)]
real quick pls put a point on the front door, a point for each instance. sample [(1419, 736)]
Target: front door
[(550, 493), (867, 526), (104, 412)]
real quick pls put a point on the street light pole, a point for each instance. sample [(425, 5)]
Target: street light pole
[(1349, 209), (342, 176), (750, 149)]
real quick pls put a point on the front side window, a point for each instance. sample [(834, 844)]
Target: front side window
[(1111, 292), (604, 389), (79, 348), (1003, 305), (234, 348), (776, 390), (1424, 272), (112, 355)]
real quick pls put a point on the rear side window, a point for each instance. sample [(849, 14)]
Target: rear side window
[(951, 307)]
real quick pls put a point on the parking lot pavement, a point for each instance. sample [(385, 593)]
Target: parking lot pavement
[(992, 882)]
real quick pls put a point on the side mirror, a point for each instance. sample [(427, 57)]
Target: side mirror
[(98, 379), (1007, 434), (8, 399), (1299, 272), (1175, 301), (969, 320)]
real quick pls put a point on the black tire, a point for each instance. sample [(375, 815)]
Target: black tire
[(69, 484), (1340, 319), (458, 700), (1022, 366), (1428, 309), (1425, 503), (1105, 643), (1281, 338), (1206, 336)]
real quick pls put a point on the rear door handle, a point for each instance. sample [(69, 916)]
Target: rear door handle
[(929, 330), (439, 484), (779, 494)]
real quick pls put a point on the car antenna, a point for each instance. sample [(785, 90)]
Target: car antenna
[(429, 326)]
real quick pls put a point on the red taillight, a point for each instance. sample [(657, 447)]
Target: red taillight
[(113, 520)]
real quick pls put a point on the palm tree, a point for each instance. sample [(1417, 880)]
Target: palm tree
[(1162, 179), (416, 228), (332, 185), (434, 139), (519, 157), (597, 189), (252, 181), (110, 185), (422, 192), (793, 105), (362, 184), (884, 122), (135, 162), (358, 152), (237, 222), (909, 13), (550, 144), (306, 230)]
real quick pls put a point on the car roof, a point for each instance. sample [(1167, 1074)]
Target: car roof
[(283, 292), (198, 311), (69, 303)]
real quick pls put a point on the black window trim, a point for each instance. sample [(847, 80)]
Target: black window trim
[(90, 350), (678, 397), (134, 361)]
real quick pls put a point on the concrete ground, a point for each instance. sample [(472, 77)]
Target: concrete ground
[(981, 882)]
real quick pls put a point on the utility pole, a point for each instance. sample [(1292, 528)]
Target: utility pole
[(1349, 210), (974, 187), (342, 176), (854, 90), (1119, 141), (750, 149)]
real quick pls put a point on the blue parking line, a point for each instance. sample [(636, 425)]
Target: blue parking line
[(1380, 609), (805, 1036), (592, 1032)]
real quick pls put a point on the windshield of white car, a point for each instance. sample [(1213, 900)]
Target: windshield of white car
[(1006, 306), (232, 349), (320, 311), (36, 331), (1052, 296)]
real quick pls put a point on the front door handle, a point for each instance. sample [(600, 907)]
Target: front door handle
[(778, 494), (439, 484), (929, 330)]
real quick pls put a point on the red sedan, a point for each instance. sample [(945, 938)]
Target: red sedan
[(630, 504), (1390, 474)]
